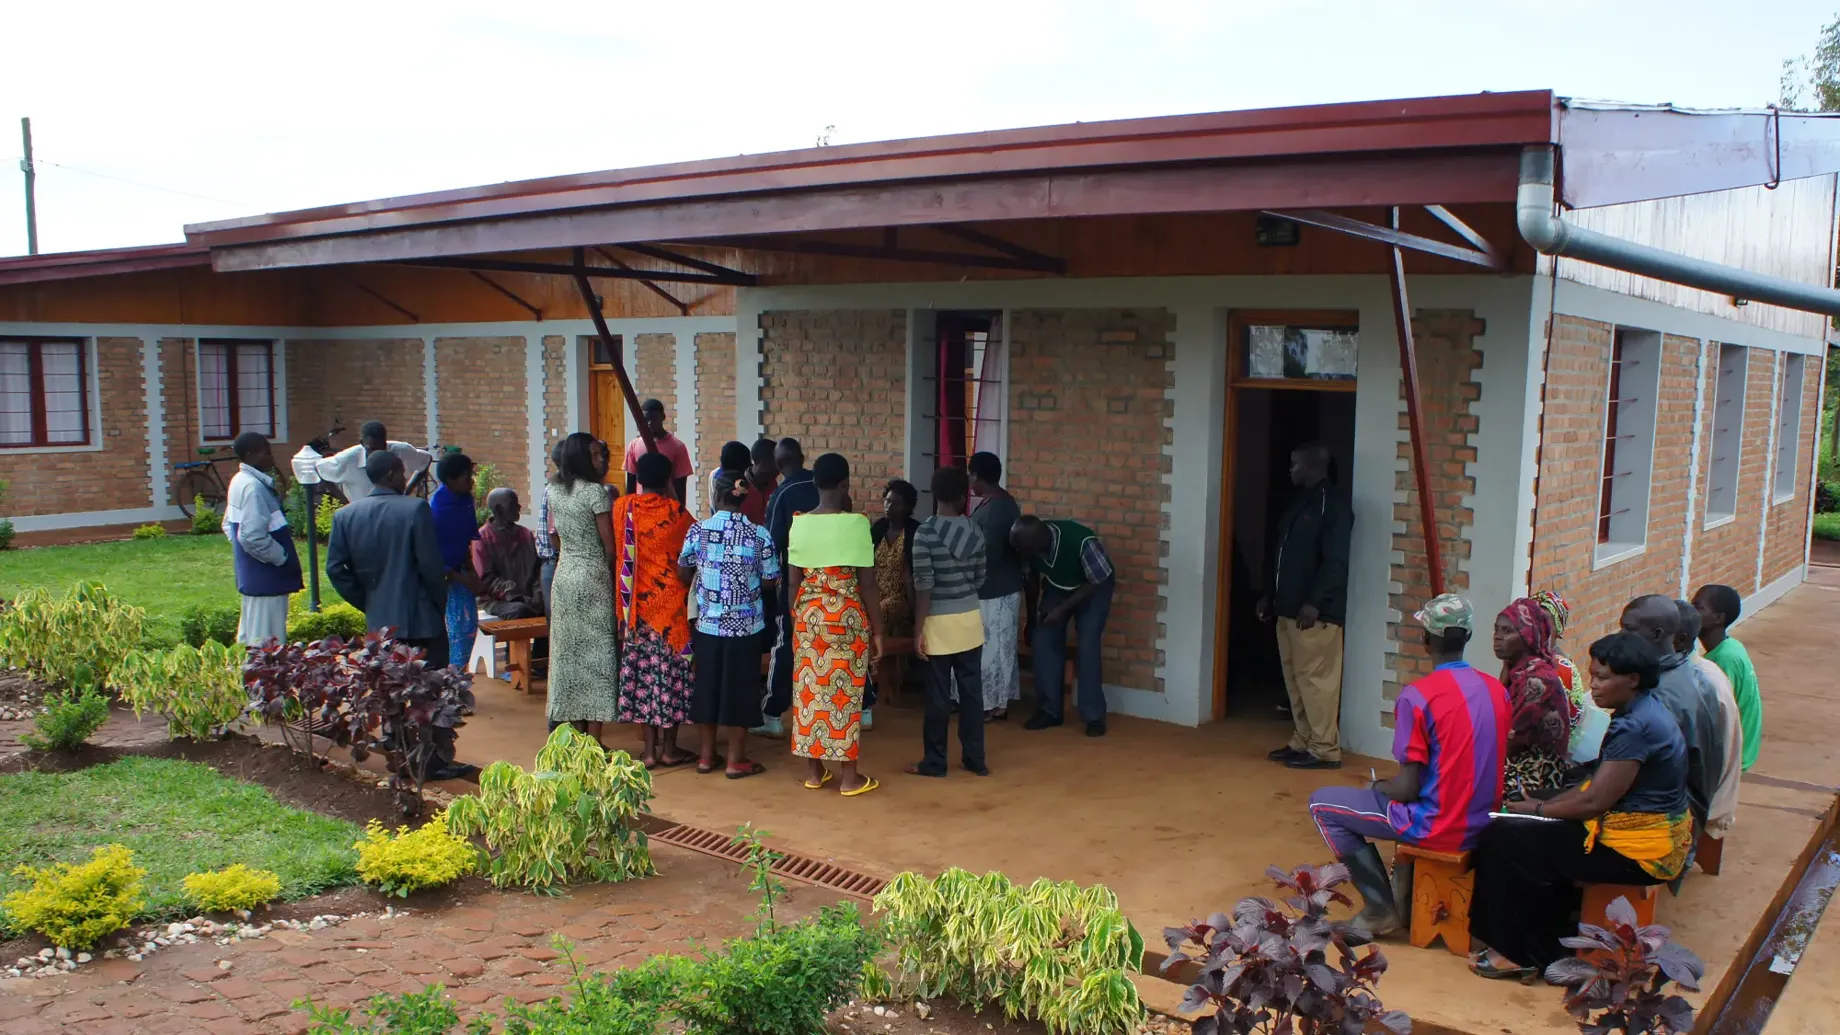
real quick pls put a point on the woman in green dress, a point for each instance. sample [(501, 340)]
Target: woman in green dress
[(583, 658)]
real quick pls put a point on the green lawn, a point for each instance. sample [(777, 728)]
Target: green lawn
[(177, 818), (1827, 526), (165, 576)]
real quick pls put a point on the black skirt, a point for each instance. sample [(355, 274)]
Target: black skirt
[(728, 683)]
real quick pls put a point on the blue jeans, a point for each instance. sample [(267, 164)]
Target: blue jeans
[(1049, 648), (462, 624)]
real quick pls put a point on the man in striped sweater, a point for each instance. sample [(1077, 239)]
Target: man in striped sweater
[(949, 553)]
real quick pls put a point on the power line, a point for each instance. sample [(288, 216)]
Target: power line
[(137, 183)]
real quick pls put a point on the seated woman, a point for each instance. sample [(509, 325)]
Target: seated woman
[(1588, 726), (1628, 824), (1540, 732)]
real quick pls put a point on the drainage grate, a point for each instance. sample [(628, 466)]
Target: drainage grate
[(799, 867)]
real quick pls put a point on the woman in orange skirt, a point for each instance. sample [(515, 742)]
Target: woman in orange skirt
[(836, 629)]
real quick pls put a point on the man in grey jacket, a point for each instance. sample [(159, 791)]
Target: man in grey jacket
[(384, 559), (1693, 701), (949, 559)]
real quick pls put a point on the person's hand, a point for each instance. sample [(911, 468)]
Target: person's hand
[(1306, 616), (1523, 807), (875, 648), (1263, 609), (1055, 616), (920, 645)]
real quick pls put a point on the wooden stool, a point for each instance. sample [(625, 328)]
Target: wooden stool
[(1709, 853), (1597, 899), (1442, 883), (516, 634)]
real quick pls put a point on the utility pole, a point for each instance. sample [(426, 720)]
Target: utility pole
[(25, 166)]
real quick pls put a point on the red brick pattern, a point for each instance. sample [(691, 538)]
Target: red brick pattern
[(1448, 365), (1728, 554), (1785, 546), (358, 380), (113, 478), (482, 405), (837, 381), (1089, 417), (715, 397), (1571, 458)]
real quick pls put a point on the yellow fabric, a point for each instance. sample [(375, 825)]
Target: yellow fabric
[(954, 634), (830, 541), (1655, 841)]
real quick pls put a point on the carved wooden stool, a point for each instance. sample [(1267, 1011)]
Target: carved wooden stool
[(1441, 886)]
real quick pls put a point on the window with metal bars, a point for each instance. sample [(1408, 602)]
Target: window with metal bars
[(1727, 444), (959, 371), (1788, 429), (44, 392), (236, 387), (1631, 387)]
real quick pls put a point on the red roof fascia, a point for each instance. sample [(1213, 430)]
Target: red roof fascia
[(27, 269), (1436, 123)]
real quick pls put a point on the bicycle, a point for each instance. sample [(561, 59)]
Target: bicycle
[(199, 479)]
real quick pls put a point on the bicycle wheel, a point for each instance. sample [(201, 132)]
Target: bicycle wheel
[(194, 483)]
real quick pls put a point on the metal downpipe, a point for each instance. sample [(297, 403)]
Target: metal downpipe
[(1550, 235)]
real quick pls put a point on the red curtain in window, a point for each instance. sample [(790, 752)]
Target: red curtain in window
[(950, 383)]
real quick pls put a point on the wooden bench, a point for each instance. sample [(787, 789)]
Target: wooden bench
[(516, 634), (1597, 899), (1442, 883), (1709, 853)]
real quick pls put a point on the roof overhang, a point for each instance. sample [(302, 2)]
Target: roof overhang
[(28, 269)]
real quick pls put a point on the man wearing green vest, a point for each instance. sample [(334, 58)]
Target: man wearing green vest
[(1070, 579)]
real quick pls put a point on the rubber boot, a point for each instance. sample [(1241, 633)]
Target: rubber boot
[(1378, 916)]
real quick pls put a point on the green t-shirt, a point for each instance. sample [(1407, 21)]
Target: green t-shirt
[(1732, 659)]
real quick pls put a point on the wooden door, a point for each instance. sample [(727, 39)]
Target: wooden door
[(607, 410)]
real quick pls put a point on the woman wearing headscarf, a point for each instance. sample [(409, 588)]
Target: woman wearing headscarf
[(1541, 715), (1589, 720), (651, 605)]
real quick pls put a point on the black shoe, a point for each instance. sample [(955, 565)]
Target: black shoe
[(456, 771), (1040, 721), (980, 770), (1312, 762), (1096, 729), (1286, 754), (1379, 916)]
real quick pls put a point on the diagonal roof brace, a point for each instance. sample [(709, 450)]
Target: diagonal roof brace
[(1481, 255), (1543, 228)]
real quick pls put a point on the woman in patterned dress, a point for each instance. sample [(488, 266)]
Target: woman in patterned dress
[(648, 531), (836, 629), (893, 536), (1539, 737), (583, 656), (1592, 721)]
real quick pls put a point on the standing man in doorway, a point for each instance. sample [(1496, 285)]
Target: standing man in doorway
[(797, 493), (652, 412), (1306, 594)]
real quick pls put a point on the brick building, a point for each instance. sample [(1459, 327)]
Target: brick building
[(1141, 318)]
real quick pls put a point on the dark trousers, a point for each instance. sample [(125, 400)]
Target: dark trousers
[(1049, 648), (549, 579), (434, 653), (941, 669), (1526, 896), (778, 697)]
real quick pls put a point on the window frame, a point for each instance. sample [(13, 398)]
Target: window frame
[(1726, 473), (234, 391), (35, 393), (923, 362), (1784, 466), (1628, 452)]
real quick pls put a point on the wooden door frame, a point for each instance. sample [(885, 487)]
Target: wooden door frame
[(1238, 320)]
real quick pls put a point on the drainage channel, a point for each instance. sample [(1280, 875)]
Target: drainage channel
[(794, 865), (1742, 1006)]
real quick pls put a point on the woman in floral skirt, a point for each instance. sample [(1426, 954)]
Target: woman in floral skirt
[(655, 676)]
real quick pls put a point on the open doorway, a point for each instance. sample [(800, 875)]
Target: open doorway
[(1292, 381)]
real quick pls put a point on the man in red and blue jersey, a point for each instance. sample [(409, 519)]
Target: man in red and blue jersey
[(1450, 737)]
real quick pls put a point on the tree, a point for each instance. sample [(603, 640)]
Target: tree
[(1811, 82)]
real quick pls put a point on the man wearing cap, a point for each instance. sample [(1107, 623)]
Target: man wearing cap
[(1450, 737)]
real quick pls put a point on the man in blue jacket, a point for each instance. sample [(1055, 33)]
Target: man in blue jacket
[(261, 544)]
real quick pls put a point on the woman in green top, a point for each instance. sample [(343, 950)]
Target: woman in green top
[(836, 628), (1718, 607)]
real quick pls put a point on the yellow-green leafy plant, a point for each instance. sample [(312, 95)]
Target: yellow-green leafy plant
[(69, 718), (153, 531), (206, 519), (322, 521), (233, 889), (78, 905), (199, 690), (1051, 952), (408, 861), (72, 641), (341, 620), (576, 815)]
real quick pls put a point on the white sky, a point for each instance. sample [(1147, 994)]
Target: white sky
[(257, 107)]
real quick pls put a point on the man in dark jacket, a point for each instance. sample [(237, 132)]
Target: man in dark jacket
[(1306, 593), (1693, 701)]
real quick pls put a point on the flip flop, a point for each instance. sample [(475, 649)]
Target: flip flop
[(822, 780), (716, 763), (869, 783), (754, 769), (1482, 968), (688, 757)]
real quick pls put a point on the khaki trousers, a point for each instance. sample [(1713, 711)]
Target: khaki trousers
[(1312, 660)]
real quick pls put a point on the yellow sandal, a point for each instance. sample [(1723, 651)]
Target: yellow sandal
[(826, 778), (869, 783)]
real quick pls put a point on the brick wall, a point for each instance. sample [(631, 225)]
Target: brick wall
[(1785, 545), (654, 372), (715, 397), (556, 425), (1089, 417), (112, 478), (179, 401), (481, 403), (1448, 367), (837, 381), (1571, 457), (356, 381), (1728, 554)]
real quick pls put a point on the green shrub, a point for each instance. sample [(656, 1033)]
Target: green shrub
[(413, 860), (71, 718), (1827, 526), (206, 519), (575, 816), (428, 1012), (485, 478), (6, 534), (199, 690), (1055, 953), (77, 906), (781, 982), (207, 623), (322, 522), (341, 620), (71, 642), (235, 888), (153, 531)]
